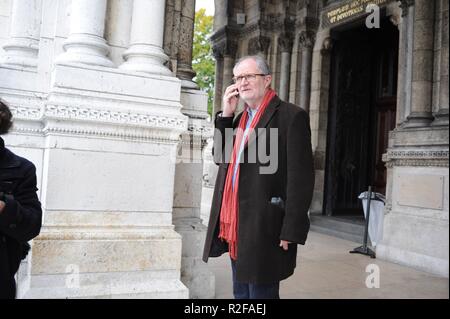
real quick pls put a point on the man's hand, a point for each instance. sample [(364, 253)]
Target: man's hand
[(284, 244), (2, 206), (230, 100)]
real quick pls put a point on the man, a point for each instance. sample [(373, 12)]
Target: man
[(260, 217), (20, 209)]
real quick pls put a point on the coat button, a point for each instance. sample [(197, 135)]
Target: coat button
[(12, 226)]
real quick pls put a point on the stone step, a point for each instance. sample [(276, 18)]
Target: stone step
[(351, 229)]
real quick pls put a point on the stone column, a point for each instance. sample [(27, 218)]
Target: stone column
[(405, 61), (422, 65), (22, 47), (306, 42), (320, 79), (285, 44), (86, 43), (187, 197), (184, 69), (442, 115), (228, 65), (229, 57), (402, 65), (145, 53), (218, 80)]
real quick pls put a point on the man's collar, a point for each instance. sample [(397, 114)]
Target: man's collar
[(250, 111)]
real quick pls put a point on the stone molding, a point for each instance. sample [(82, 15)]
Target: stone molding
[(111, 116), (435, 158), (204, 129), (25, 113), (162, 128)]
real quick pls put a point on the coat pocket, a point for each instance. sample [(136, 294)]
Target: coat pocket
[(276, 216)]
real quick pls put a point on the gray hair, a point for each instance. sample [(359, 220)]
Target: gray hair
[(261, 63)]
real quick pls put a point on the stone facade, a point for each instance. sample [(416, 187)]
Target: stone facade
[(103, 101), (297, 39)]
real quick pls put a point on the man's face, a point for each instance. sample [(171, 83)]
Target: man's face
[(251, 89)]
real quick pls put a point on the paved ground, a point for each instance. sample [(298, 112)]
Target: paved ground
[(326, 269)]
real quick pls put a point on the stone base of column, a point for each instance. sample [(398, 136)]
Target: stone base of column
[(85, 49), (416, 227), (187, 196), (106, 159), (194, 274), (418, 119), (441, 118), (106, 263), (189, 84), (21, 53), (210, 170), (185, 74), (147, 59)]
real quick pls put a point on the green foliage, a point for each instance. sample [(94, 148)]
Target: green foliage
[(203, 61)]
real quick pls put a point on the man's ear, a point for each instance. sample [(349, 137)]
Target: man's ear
[(269, 81)]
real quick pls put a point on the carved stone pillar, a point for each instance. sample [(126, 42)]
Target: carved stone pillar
[(145, 53), (86, 43), (259, 45), (403, 66), (285, 45), (228, 63), (306, 42), (218, 81), (22, 47), (422, 64), (442, 114), (184, 66)]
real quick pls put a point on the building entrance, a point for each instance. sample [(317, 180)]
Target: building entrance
[(362, 109)]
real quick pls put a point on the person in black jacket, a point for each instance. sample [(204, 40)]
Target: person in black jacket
[(20, 209), (259, 211)]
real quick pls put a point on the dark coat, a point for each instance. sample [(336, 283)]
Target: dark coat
[(20, 220), (264, 221)]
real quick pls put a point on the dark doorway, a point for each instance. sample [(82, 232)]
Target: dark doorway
[(362, 109)]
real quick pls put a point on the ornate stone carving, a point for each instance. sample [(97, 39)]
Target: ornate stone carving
[(327, 46), (248, 29), (436, 158), (111, 116), (307, 39), (25, 112), (285, 43), (405, 4), (225, 48), (217, 52), (258, 44)]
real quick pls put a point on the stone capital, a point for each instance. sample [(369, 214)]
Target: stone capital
[(307, 39), (404, 5), (285, 43), (258, 44), (224, 48)]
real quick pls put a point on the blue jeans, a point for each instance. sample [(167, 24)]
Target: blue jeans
[(254, 291)]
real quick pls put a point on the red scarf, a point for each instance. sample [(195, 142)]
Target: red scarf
[(229, 211)]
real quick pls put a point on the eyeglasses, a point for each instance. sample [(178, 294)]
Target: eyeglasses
[(247, 77)]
